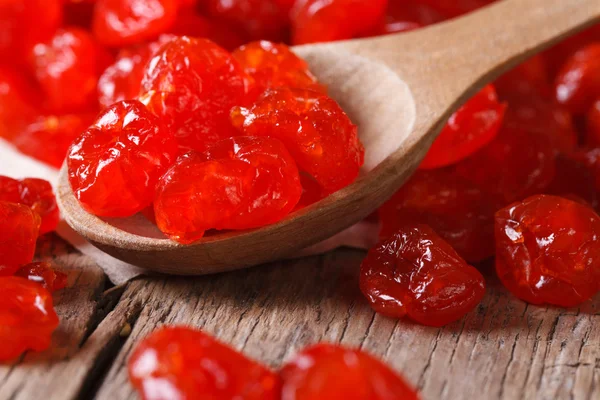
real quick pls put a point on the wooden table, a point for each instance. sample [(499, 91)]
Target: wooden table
[(504, 349)]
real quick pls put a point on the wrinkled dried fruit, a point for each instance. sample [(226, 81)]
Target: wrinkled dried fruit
[(125, 22), (547, 250), (27, 317), (238, 183), (456, 209), (514, 165), (122, 80), (275, 188), (313, 127), (272, 65), (183, 363), (416, 273), (258, 19), (192, 84), (328, 371), (19, 228), (330, 20), (115, 164), (67, 68), (578, 82), (34, 193), (48, 137), (44, 274), (470, 128)]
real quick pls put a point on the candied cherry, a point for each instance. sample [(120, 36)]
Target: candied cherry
[(36, 194), (590, 157), (457, 210), (19, 102), (48, 137), (470, 128), (18, 234), (67, 68), (122, 79), (573, 180), (192, 84), (592, 134), (578, 82), (238, 183), (528, 78), (189, 23), (27, 317), (44, 274), (272, 65), (258, 19), (117, 23), (115, 164), (416, 273), (328, 371), (454, 8), (542, 116), (547, 250), (330, 20), (183, 363), (275, 188), (314, 128), (556, 55), (26, 22), (406, 15), (514, 165)]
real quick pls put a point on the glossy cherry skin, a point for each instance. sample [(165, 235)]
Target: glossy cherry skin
[(117, 23), (457, 210), (328, 371), (470, 128), (326, 20), (578, 82), (547, 250), (183, 363), (272, 65), (44, 274), (36, 194), (415, 273), (192, 84), (313, 127), (67, 67), (114, 166), (18, 235), (27, 317)]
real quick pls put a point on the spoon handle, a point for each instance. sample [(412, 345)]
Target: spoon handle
[(467, 52)]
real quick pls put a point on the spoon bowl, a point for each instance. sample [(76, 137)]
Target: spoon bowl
[(399, 89)]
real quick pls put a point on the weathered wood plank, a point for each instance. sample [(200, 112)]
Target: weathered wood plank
[(504, 349)]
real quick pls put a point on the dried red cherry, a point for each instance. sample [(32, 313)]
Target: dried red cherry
[(470, 128), (592, 134), (528, 78), (48, 137), (272, 65), (192, 84), (27, 317), (125, 22), (18, 234), (416, 273), (454, 8), (44, 274), (67, 68), (189, 23), (179, 362), (314, 128), (547, 250), (514, 165), (574, 180), (115, 164), (329, 20), (328, 371), (457, 210), (19, 102), (578, 82)]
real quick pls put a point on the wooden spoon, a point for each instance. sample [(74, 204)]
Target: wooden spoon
[(400, 89)]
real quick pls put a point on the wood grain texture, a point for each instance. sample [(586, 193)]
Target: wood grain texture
[(400, 90), (504, 349)]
